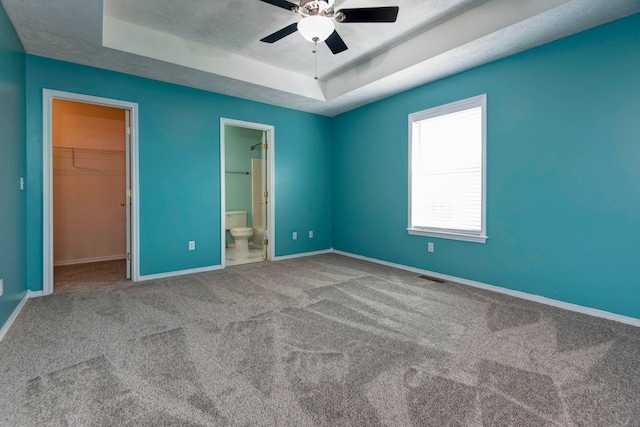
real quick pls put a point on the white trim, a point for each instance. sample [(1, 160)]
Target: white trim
[(89, 260), (35, 294), (48, 96), (303, 254), (451, 236), (453, 107), (14, 315), (29, 295), (178, 273), (271, 216), (517, 294)]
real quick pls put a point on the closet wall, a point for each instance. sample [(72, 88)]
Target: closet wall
[(89, 182)]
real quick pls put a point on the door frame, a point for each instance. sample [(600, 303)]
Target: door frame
[(48, 95), (271, 205)]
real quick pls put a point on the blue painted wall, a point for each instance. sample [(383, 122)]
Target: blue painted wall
[(563, 208), (12, 167), (179, 169), (237, 156)]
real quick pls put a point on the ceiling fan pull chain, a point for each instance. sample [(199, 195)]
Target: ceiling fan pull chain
[(315, 55)]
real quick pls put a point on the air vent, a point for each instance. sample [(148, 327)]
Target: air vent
[(433, 279)]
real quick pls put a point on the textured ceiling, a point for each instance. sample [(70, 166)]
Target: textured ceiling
[(214, 44), (237, 26)]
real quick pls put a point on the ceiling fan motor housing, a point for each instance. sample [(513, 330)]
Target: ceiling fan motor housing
[(322, 8)]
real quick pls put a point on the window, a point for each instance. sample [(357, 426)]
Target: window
[(447, 176)]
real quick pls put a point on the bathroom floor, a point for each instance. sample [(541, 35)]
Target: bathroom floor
[(233, 257)]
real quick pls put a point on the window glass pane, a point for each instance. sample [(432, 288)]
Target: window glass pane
[(447, 174)]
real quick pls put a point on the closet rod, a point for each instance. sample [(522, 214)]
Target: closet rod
[(243, 173), (91, 150)]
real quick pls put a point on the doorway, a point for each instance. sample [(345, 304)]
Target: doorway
[(90, 183), (247, 192)]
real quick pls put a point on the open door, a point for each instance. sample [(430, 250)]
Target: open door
[(127, 197), (265, 194)]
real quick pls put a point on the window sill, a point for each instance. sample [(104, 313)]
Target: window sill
[(444, 235)]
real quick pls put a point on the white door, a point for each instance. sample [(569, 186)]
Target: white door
[(127, 197), (265, 195)]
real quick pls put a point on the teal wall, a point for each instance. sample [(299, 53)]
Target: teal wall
[(237, 156), (179, 150), (12, 167), (563, 175)]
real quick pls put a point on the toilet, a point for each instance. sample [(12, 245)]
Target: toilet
[(236, 223)]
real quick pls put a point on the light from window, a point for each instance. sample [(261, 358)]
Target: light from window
[(447, 171)]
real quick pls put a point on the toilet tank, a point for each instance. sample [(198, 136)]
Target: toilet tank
[(234, 219)]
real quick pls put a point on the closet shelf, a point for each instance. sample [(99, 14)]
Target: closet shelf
[(89, 150)]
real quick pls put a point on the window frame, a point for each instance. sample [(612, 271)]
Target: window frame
[(453, 107)]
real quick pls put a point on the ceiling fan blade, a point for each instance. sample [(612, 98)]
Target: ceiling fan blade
[(371, 14), (335, 43), (281, 3), (280, 34)]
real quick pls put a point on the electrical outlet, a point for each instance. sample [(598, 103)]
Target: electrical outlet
[(430, 246), (192, 245), (1, 287), (21, 183), (295, 235), (311, 234)]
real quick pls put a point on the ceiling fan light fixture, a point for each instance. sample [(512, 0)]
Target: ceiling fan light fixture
[(316, 28)]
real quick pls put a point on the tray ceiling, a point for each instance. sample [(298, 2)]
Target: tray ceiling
[(214, 45)]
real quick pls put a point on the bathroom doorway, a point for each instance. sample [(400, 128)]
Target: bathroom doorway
[(89, 187), (246, 165)]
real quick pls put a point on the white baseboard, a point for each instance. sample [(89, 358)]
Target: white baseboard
[(14, 315), (89, 260), (35, 294), (179, 273), (518, 294), (302, 255)]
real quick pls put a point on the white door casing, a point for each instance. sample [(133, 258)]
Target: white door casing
[(269, 217), (132, 205)]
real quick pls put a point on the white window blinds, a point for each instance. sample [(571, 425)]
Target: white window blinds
[(447, 161)]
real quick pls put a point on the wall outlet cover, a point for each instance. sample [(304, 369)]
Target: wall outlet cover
[(295, 235), (1, 287), (192, 245), (311, 234)]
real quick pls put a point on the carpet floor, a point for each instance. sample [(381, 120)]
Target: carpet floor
[(324, 340), (95, 276)]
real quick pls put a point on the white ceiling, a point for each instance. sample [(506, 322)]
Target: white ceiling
[(214, 44)]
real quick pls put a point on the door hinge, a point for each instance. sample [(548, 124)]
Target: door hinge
[(129, 193), (265, 145), (266, 242), (129, 256), (128, 130), (266, 194)]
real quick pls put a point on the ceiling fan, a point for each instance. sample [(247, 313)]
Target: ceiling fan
[(318, 16)]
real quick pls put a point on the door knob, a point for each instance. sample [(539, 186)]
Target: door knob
[(123, 204)]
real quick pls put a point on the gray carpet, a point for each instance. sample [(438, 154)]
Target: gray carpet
[(95, 276), (325, 340)]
